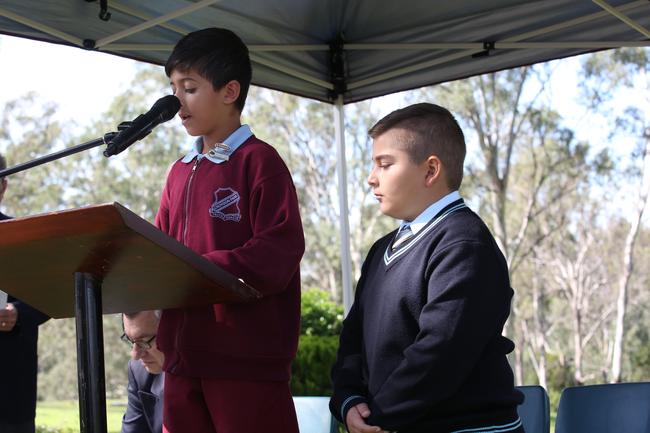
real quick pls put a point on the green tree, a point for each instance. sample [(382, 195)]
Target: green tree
[(303, 132), (136, 176), (606, 74), (28, 130)]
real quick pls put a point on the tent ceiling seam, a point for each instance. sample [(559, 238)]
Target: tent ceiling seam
[(504, 45), (42, 27), (154, 22), (405, 47), (575, 21), (287, 48), (412, 68), (145, 17), (139, 47), (473, 52), (627, 20), (289, 71)]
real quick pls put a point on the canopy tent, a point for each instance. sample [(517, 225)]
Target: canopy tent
[(354, 48), (341, 51)]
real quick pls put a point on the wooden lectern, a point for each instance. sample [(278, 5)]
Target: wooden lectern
[(98, 260)]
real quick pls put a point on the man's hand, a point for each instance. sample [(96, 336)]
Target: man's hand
[(355, 420), (8, 318)]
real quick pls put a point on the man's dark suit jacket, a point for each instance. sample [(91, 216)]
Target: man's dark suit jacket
[(145, 405), (18, 363)]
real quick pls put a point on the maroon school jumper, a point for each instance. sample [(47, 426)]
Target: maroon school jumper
[(242, 215)]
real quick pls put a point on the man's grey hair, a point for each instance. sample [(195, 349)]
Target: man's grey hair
[(132, 315)]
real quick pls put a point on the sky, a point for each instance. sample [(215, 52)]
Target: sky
[(84, 83)]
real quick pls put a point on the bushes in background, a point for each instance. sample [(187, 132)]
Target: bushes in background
[(321, 322)]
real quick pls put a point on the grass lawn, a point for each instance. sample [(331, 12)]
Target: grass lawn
[(64, 415)]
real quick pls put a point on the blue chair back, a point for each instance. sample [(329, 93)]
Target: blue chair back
[(314, 415), (535, 411), (609, 408)]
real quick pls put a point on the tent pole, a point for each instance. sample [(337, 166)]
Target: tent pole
[(341, 168)]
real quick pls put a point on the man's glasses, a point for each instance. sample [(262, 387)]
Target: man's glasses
[(142, 345)]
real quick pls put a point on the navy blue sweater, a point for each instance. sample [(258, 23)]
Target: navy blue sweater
[(422, 344)]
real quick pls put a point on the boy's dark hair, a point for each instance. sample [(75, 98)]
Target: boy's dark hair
[(430, 130), (218, 55)]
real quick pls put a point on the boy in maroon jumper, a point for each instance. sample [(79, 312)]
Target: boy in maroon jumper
[(232, 200)]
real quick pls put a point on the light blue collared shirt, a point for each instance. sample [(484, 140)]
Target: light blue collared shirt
[(233, 141), (421, 220)]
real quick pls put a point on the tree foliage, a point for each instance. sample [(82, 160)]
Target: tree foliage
[(545, 194)]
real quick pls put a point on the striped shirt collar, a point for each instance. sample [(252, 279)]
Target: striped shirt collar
[(421, 220), (233, 141)]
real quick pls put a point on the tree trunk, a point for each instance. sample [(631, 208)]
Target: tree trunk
[(628, 267), (539, 331), (577, 347)]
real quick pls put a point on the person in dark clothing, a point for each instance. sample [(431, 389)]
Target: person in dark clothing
[(421, 349), (18, 360), (144, 411)]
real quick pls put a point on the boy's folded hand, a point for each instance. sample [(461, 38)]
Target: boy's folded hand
[(355, 420)]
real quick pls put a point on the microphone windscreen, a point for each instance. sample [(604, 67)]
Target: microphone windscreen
[(166, 107)]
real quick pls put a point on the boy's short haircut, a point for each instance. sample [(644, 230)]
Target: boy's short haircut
[(218, 55), (428, 130)]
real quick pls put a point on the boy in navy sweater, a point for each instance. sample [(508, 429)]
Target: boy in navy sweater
[(421, 349), (231, 199)]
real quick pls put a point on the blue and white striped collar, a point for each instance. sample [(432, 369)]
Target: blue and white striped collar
[(233, 141), (421, 220), (443, 208)]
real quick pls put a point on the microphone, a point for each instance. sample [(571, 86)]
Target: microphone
[(161, 111)]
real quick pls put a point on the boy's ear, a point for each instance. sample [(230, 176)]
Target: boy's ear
[(232, 89), (434, 170)]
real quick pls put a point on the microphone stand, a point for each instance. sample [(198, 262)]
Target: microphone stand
[(106, 139)]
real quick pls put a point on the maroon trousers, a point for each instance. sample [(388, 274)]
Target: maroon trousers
[(195, 405)]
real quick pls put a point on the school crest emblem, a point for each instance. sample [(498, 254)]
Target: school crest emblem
[(226, 205)]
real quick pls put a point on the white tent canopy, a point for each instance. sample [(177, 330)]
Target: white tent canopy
[(341, 51)]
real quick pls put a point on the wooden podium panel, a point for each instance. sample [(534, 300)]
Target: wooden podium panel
[(141, 267)]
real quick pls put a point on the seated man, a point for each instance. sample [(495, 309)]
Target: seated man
[(146, 380)]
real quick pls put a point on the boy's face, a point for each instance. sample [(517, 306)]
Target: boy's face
[(204, 111), (402, 187)]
